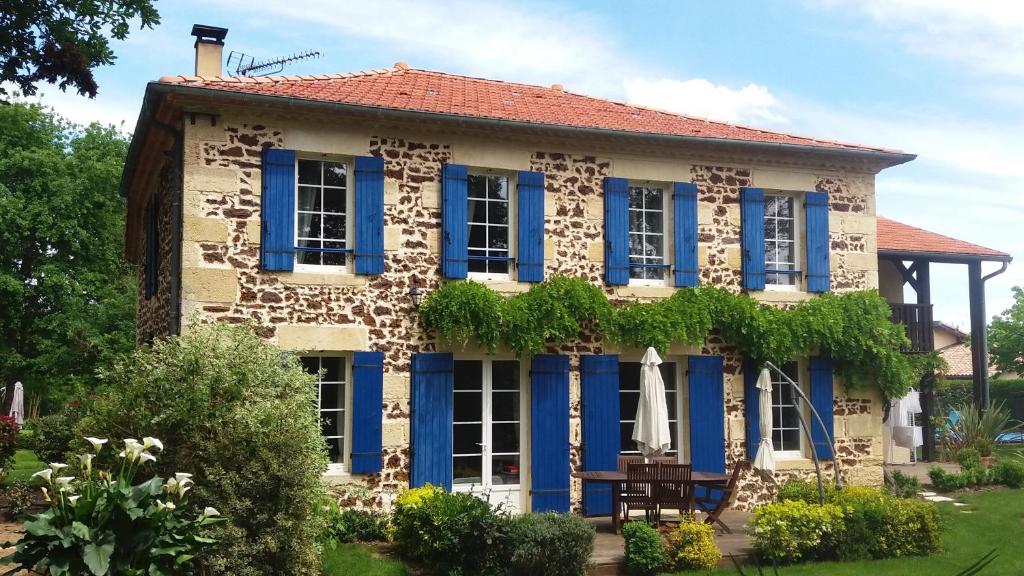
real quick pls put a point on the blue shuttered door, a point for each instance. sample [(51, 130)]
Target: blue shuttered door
[(821, 399), (685, 217), (751, 407), (818, 271), (277, 209), (431, 404), (707, 415), (616, 231), (752, 237), (549, 433), (530, 261), (369, 224), (367, 411), (599, 377), (454, 226)]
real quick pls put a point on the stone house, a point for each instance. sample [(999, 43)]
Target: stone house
[(313, 205)]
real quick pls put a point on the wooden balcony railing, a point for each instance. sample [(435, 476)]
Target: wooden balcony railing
[(917, 318)]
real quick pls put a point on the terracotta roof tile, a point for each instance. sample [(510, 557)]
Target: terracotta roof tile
[(405, 88), (899, 237), (958, 359)]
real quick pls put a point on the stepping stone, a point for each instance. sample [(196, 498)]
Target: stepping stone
[(958, 504), (938, 499), (926, 494)]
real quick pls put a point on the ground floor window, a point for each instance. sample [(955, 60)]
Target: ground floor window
[(629, 399), (331, 395), (486, 431), (785, 412)]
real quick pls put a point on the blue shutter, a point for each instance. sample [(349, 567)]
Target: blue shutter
[(707, 414), (599, 378), (454, 226), (821, 399), (751, 406), (616, 231), (685, 220), (530, 261), (367, 411), (431, 404), (369, 223), (549, 424), (277, 229), (752, 235), (818, 271)]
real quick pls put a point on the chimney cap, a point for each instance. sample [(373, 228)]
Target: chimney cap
[(211, 34)]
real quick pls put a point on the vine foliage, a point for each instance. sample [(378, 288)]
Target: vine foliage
[(853, 328)]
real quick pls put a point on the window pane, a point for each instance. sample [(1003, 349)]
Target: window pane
[(791, 439), (309, 198), (477, 186), (468, 375), (497, 267), (477, 265), (477, 211), (505, 374), (629, 376), (498, 238), (497, 187), (331, 396), (626, 443), (310, 364), (653, 222), (334, 227), (303, 257), (467, 407), (331, 423), (505, 469), (505, 406), (784, 252), (628, 402), (785, 207), (334, 450), (467, 469), (636, 198), (309, 172), (636, 221), (785, 229), (334, 201), (497, 212), (477, 236), (466, 439), (652, 198), (504, 438), (309, 225), (770, 203), (335, 174), (652, 245), (334, 258), (771, 228), (333, 368)]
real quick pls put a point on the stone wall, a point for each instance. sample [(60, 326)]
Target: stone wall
[(154, 316), (221, 280)]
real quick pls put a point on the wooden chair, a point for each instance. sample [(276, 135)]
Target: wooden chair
[(636, 491), (624, 460), (713, 500), (673, 488)]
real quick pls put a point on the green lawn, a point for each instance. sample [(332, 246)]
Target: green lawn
[(25, 464), (995, 520), (358, 559)]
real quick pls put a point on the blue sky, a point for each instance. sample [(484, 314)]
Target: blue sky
[(940, 78)]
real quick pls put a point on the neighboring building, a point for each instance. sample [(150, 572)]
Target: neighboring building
[(312, 204)]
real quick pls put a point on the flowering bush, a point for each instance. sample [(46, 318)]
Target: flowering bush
[(8, 441), (691, 545), (99, 523)]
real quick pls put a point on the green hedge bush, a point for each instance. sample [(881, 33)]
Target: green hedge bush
[(793, 531), (901, 485), (347, 525), (645, 553), (242, 416), (1010, 473), (550, 545), (51, 437)]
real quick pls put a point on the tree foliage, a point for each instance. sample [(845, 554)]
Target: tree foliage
[(67, 297), (61, 41), (1006, 336)]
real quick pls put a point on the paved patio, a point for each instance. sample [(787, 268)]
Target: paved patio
[(609, 553)]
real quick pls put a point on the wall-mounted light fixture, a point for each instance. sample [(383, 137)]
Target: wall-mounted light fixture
[(415, 294)]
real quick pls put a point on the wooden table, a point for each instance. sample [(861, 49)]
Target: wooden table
[(616, 478)]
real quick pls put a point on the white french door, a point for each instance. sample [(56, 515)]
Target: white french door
[(487, 431)]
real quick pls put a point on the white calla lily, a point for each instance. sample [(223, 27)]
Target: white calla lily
[(86, 460), (210, 512), (147, 457), (44, 474), (97, 443), (183, 477), (161, 505), (150, 442), (64, 482), (72, 500), (57, 466)]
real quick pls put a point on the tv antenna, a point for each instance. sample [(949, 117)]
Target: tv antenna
[(246, 65)]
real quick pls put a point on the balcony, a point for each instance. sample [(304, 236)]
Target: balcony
[(917, 319)]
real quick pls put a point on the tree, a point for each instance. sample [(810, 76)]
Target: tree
[(67, 298), (1006, 336), (61, 41)]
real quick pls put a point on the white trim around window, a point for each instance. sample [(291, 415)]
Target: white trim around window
[(324, 212), (334, 402), (649, 205), (783, 228), (788, 438), (491, 221), (677, 395)]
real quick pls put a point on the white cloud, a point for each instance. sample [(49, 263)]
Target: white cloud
[(699, 97)]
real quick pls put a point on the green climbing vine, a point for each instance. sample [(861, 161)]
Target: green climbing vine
[(853, 328)]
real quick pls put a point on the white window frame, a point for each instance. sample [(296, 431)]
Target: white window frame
[(486, 391), (350, 205), (800, 451), (666, 207), (797, 263), (513, 194), (334, 468), (682, 422)]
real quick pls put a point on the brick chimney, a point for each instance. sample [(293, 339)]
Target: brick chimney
[(209, 49)]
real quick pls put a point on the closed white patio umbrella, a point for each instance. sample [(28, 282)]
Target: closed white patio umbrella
[(651, 430), (18, 404), (764, 461)]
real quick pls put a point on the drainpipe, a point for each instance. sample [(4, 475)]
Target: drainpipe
[(979, 336)]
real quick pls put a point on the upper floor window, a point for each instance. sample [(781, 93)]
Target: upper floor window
[(331, 402), (785, 412), (322, 218), (647, 233), (781, 241), (490, 224)]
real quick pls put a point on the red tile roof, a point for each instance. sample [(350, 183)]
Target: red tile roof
[(404, 88), (898, 237)]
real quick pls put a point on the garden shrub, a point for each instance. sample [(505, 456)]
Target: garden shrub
[(692, 546), (805, 491), (969, 457), (18, 497), (1010, 473), (243, 418), (452, 533), (51, 437), (346, 525), (645, 553), (901, 485), (8, 441), (946, 481), (881, 526), (550, 545), (793, 530)]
